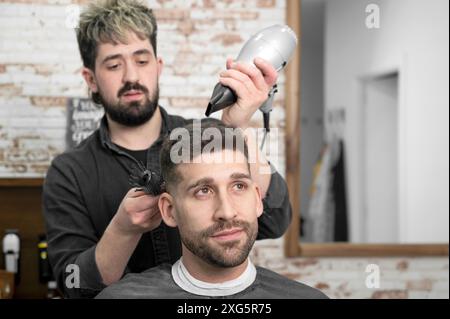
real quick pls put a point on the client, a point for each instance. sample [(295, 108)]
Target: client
[(211, 198)]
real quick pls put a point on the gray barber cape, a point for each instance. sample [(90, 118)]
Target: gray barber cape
[(157, 283)]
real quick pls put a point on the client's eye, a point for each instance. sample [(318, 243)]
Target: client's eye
[(203, 191), (240, 186)]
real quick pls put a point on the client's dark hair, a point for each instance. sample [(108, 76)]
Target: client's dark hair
[(188, 142)]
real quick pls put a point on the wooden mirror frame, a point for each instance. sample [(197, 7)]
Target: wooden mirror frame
[(292, 245)]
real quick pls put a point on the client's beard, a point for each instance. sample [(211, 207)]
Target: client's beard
[(230, 254), (135, 113)]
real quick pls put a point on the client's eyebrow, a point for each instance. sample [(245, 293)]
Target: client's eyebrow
[(210, 180), (240, 176), (202, 181)]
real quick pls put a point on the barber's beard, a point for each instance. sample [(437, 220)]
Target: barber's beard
[(225, 255), (134, 113)]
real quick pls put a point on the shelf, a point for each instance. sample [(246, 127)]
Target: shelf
[(21, 182)]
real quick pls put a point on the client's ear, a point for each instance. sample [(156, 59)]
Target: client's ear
[(259, 203), (165, 204)]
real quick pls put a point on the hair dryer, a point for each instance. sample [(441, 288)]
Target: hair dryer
[(275, 44)]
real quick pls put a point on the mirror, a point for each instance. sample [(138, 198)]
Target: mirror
[(367, 169)]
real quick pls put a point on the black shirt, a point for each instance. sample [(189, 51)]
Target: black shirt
[(83, 190), (140, 155)]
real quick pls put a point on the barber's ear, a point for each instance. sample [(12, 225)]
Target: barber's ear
[(259, 203), (89, 77), (165, 204)]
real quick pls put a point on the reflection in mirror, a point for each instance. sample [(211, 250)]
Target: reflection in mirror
[(374, 123), (312, 108)]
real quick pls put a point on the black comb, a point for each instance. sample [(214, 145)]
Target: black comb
[(146, 180)]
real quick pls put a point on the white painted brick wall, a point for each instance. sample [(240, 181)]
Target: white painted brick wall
[(346, 277), (39, 58)]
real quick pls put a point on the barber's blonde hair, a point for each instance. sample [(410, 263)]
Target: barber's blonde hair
[(108, 21)]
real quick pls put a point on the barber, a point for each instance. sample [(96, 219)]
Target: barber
[(94, 221)]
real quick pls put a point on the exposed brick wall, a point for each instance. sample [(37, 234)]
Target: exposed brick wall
[(346, 277), (40, 68)]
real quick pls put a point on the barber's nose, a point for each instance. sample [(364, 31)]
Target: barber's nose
[(225, 208), (131, 74)]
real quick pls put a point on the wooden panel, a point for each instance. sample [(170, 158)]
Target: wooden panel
[(20, 208), (6, 284), (372, 250), (20, 182), (292, 134)]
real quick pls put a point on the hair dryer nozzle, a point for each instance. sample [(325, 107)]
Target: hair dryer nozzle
[(221, 98)]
